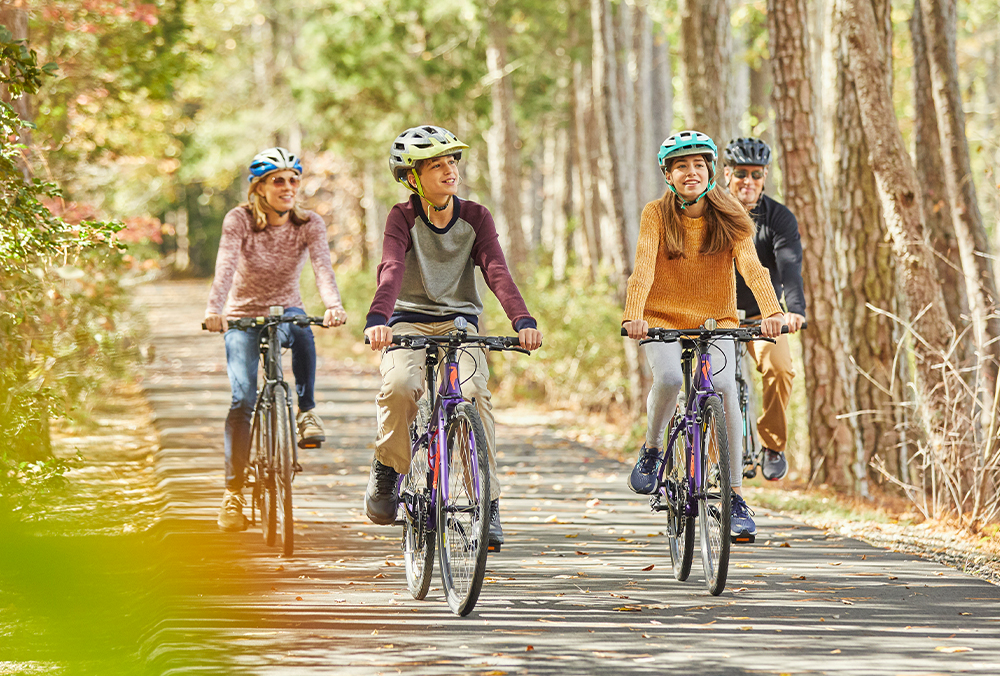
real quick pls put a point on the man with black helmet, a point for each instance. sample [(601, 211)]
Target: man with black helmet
[(780, 251)]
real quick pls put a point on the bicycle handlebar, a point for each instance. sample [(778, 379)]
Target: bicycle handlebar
[(673, 335), (245, 323), (756, 322), (492, 343)]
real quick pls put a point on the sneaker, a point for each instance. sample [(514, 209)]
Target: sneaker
[(741, 524), (496, 531), (231, 517), (774, 466), (381, 499), (310, 427), (646, 471)]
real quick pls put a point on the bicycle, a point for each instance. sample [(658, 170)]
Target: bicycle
[(446, 494), (693, 481), (753, 452), (274, 456)]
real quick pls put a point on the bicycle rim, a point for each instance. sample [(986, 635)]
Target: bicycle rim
[(415, 495), (265, 475), (680, 529), (283, 470), (463, 510), (716, 497)]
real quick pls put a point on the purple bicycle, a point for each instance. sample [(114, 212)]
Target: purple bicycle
[(446, 495), (694, 481)]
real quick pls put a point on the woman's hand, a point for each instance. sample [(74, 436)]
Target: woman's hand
[(215, 323), (530, 339), (771, 327), (334, 317), (379, 336), (636, 328)]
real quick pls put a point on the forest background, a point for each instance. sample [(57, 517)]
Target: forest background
[(884, 119)]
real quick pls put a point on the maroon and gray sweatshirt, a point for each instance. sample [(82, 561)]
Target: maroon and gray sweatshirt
[(255, 270), (428, 274)]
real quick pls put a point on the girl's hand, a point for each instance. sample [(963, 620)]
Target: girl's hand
[(771, 327), (530, 339), (636, 328), (214, 323), (334, 317), (379, 336)]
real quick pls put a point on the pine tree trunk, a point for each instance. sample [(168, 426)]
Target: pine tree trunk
[(706, 68)]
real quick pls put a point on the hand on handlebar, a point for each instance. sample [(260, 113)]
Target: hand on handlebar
[(637, 329), (794, 321), (771, 326), (530, 339), (334, 317), (379, 337), (214, 323)]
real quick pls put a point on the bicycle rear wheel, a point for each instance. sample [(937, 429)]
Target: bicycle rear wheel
[(463, 510), (283, 472), (265, 474), (749, 430), (715, 499), (680, 528), (415, 495)]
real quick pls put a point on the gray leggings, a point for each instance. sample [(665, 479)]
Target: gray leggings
[(668, 379)]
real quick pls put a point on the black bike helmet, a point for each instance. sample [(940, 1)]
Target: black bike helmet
[(748, 150)]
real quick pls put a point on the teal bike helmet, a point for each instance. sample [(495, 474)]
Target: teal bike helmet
[(683, 144)]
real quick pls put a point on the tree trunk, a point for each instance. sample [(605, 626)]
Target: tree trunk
[(584, 162), (504, 147), (662, 94), (648, 178), (706, 68), (901, 204)]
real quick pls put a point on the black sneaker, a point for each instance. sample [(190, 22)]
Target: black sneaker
[(381, 499), (646, 471), (496, 531), (774, 466)]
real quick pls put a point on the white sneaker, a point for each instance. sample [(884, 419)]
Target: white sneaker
[(231, 517), (310, 427)]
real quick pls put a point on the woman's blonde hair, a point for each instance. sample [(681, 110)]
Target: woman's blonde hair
[(255, 204), (726, 222)]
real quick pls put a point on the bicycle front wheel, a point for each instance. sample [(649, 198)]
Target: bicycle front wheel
[(415, 495), (265, 474), (283, 469), (680, 528), (715, 499), (463, 509)]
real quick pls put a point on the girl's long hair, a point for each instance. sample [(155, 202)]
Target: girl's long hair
[(255, 205), (726, 222)]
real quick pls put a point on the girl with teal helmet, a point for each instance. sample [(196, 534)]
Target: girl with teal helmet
[(691, 241)]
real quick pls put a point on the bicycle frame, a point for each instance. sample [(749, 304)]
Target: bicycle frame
[(270, 358)]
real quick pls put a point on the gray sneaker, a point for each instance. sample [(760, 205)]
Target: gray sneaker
[(496, 531), (231, 517), (381, 499), (310, 428), (774, 466)]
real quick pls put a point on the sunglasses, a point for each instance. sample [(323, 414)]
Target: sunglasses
[(757, 174), (280, 181)]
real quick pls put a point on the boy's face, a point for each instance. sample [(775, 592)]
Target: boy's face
[(439, 176)]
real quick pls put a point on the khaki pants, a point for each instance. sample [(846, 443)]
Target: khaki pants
[(774, 363), (403, 383)]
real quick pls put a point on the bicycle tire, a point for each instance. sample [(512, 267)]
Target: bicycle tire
[(415, 495), (283, 472), (463, 510), (265, 474), (749, 450), (680, 528), (715, 496)]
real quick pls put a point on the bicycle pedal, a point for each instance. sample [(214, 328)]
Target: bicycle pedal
[(310, 443), (399, 522), (743, 539), (749, 474), (493, 547)]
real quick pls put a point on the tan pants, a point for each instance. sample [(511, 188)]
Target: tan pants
[(403, 383), (774, 363)]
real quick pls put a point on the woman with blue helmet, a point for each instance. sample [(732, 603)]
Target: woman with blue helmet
[(691, 241), (263, 248)]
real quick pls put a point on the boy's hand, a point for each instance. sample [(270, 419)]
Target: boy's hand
[(380, 337), (530, 339), (636, 328)]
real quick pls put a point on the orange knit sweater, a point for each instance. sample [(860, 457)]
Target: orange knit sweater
[(684, 292)]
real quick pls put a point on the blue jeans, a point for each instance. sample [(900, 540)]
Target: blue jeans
[(242, 359)]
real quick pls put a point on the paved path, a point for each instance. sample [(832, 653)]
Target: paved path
[(583, 585)]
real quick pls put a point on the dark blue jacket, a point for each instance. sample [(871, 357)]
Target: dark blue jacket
[(780, 251)]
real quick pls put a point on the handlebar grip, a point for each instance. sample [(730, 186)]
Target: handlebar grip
[(624, 332), (204, 327)]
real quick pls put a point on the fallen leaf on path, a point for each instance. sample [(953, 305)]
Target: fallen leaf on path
[(798, 577), (746, 628), (649, 567), (279, 569), (835, 652), (629, 609), (593, 502), (579, 553), (530, 647), (298, 598), (572, 535), (380, 575), (953, 649), (784, 544)]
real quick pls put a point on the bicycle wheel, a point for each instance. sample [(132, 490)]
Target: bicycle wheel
[(283, 470), (265, 474), (463, 510), (749, 450), (680, 528), (415, 495), (715, 497)]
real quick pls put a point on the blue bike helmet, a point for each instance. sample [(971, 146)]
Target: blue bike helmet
[(683, 144), (273, 159)]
